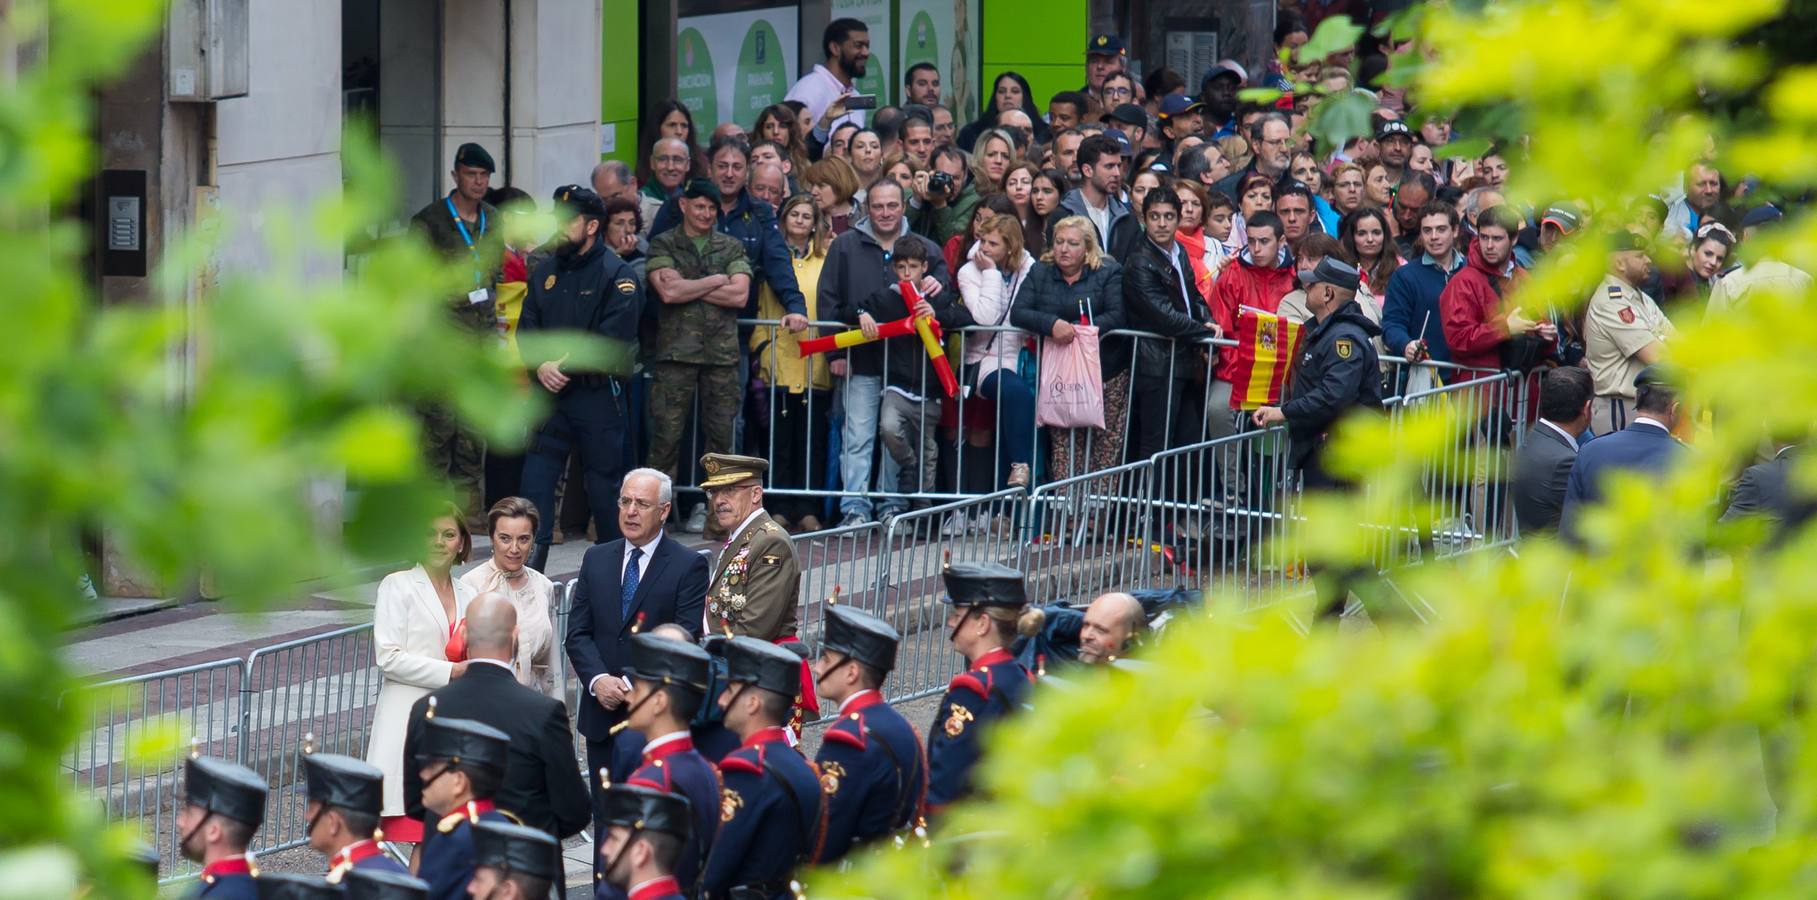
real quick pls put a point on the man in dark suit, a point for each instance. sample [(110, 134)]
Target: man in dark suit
[(1765, 489), (628, 586), (1542, 465), (1646, 445), (541, 786)]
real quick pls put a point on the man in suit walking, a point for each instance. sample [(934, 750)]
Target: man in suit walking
[(1646, 445), (628, 586), (1765, 489), (1542, 466), (541, 786)]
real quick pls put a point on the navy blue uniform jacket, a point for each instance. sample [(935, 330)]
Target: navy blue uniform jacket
[(874, 772), (992, 689)]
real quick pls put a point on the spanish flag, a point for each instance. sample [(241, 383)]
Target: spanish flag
[(1266, 344)]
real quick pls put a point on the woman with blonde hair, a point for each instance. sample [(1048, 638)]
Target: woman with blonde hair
[(992, 158), (512, 523), (801, 390), (1076, 283)]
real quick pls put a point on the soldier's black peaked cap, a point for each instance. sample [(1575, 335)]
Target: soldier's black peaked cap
[(383, 884), (984, 584), (345, 782), (670, 662), (229, 789), (861, 636), (294, 886), (510, 847), (761, 663), (463, 742), (647, 809)]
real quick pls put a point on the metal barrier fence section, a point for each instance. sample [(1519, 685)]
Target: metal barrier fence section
[(320, 687), (111, 765), (1229, 509)]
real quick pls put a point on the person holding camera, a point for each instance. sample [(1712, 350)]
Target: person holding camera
[(944, 197)]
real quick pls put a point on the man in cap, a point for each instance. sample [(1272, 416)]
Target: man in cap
[(461, 763), (513, 862), (1180, 116), (373, 884), (988, 603), (1130, 119), (702, 278), (223, 806), (342, 814), (1394, 144), (1218, 91), (583, 290), (645, 834), (756, 581), (1105, 56), (294, 886), (668, 682), (1624, 332), (871, 762), (461, 228), (1336, 371), (1645, 445), (772, 814), (542, 787), (1559, 221)]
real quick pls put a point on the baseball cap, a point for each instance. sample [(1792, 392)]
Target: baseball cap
[(1393, 127), (1335, 272), (1124, 148), (1563, 215), (1224, 67), (1105, 45), (1179, 105), (1128, 114)]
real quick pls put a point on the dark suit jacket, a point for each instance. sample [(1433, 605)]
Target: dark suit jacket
[(1542, 469), (673, 589), (1636, 448), (542, 786), (1765, 489)]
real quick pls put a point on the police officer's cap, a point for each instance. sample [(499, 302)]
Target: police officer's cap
[(574, 200), (463, 742), (763, 664), (669, 662), (701, 187), (474, 155), (1335, 272), (383, 884), (1105, 45), (1623, 240), (984, 584), (724, 469), (229, 789), (344, 782), (510, 847), (862, 637), (647, 809), (294, 886)]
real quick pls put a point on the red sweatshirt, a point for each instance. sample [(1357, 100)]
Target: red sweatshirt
[(1243, 283), (1471, 311)]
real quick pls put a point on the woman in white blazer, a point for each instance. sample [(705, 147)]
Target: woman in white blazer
[(411, 625), (513, 523)]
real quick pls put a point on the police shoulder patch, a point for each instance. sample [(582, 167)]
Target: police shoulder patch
[(1627, 315), (1343, 347), (626, 286), (549, 283)]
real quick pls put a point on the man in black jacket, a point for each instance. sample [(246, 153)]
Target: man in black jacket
[(1336, 371), (583, 290), (1159, 296), (542, 785), (1542, 465)]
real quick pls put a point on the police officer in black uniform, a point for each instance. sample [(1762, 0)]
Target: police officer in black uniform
[(583, 289), (772, 813), (1337, 370), (871, 760), (513, 862), (378, 884), (223, 806)]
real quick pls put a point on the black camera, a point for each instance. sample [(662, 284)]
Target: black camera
[(940, 183)]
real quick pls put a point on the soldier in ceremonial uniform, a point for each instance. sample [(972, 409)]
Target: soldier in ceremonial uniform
[(294, 886), (462, 764), (345, 796), (378, 884), (1624, 332), (772, 813), (872, 763), (668, 683), (646, 832), (988, 604), (513, 862), (223, 806), (756, 581)]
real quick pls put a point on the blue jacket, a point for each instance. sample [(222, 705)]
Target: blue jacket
[(1413, 292), (1640, 447), (992, 689), (874, 775), (753, 223), (678, 768), (448, 854), (772, 814)]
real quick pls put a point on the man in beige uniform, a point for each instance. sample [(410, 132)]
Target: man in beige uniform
[(756, 581), (1624, 332)]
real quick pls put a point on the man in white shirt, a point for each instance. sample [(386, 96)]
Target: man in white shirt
[(847, 43)]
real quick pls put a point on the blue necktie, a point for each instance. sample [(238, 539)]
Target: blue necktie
[(630, 591)]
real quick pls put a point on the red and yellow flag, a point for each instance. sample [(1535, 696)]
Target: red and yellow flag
[(1266, 344)]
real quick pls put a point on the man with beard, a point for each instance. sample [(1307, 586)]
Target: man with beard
[(584, 289), (1112, 623), (1218, 92), (223, 806), (847, 43), (1394, 143)]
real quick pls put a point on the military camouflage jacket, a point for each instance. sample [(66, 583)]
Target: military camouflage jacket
[(696, 332)]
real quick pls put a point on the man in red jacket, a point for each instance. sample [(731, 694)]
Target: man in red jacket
[(1476, 320), (1259, 278)]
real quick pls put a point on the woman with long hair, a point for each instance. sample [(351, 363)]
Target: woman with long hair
[(1255, 193), (670, 119), (994, 271), (777, 123), (958, 248), (993, 155), (1009, 91), (866, 156), (1019, 187), (1144, 181), (1365, 236), (801, 390)]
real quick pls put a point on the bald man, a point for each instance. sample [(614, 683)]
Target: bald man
[(1111, 623), (543, 787)]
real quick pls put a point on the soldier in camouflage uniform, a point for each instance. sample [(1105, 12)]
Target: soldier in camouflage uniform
[(702, 278), (463, 228)]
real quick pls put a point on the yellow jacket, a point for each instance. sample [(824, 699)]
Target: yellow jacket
[(779, 349)]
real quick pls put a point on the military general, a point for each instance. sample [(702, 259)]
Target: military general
[(756, 581)]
